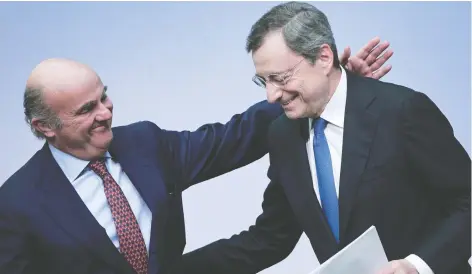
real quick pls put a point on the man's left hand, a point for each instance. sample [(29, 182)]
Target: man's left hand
[(398, 267)]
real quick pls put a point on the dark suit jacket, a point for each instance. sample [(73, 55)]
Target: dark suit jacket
[(46, 228), (402, 170)]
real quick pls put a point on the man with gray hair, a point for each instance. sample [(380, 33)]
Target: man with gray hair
[(349, 152)]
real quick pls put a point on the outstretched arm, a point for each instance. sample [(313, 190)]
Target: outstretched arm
[(215, 149), (269, 241)]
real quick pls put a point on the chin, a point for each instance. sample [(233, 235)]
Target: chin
[(103, 141), (293, 115)]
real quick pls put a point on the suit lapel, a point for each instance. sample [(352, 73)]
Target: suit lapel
[(65, 206), (294, 156), (143, 174), (360, 125), (149, 182)]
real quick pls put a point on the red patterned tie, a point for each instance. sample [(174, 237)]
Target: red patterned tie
[(129, 235)]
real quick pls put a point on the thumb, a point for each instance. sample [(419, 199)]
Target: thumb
[(345, 56)]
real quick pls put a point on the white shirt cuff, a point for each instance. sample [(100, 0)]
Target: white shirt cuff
[(421, 266)]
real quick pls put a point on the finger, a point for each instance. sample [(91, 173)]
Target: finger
[(375, 53), (366, 71), (381, 72), (348, 66), (381, 60), (345, 56), (367, 48), (360, 67)]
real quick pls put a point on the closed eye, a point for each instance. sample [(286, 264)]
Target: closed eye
[(278, 79)]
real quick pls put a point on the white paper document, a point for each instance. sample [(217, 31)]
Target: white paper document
[(365, 255)]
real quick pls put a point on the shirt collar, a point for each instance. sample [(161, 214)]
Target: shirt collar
[(334, 110), (70, 165)]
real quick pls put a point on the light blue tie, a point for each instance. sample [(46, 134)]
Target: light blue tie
[(324, 172)]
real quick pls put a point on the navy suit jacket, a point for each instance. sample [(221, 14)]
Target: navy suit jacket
[(46, 228), (402, 170)]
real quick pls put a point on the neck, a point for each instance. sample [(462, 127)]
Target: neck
[(334, 77), (84, 153)]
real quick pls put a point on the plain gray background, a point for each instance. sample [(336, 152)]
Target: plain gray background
[(183, 64)]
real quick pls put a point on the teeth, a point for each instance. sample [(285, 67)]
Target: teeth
[(287, 102)]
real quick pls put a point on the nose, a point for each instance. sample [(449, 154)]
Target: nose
[(105, 111), (273, 93)]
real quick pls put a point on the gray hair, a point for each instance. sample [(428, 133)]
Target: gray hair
[(304, 28), (35, 107)]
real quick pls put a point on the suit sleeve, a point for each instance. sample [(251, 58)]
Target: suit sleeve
[(269, 241), (214, 149), (438, 159), (14, 257)]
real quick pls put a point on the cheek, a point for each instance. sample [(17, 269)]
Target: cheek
[(82, 125), (314, 91), (295, 88), (304, 90)]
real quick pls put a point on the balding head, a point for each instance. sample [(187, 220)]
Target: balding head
[(59, 75), (65, 102), (51, 75)]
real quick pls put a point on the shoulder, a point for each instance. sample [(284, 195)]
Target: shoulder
[(389, 94), (20, 188), (142, 133), (146, 138), (389, 98), (136, 129)]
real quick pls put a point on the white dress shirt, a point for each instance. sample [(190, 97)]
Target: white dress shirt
[(334, 115), (90, 188)]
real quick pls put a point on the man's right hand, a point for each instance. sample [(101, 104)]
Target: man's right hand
[(369, 60)]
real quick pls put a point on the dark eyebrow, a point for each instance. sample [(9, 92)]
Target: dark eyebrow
[(86, 106), (90, 104)]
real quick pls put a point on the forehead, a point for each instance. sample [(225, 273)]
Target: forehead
[(274, 56), (70, 96)]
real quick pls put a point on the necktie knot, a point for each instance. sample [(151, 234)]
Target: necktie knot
[(99, 167), (319, 125)]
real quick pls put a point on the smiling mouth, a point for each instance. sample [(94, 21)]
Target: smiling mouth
[(100, 128), (287, 102)]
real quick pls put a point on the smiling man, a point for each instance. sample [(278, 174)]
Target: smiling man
[(349, 153), (77, 122)]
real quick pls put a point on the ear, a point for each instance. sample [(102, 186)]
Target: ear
[(43, 128), (325, 58)]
